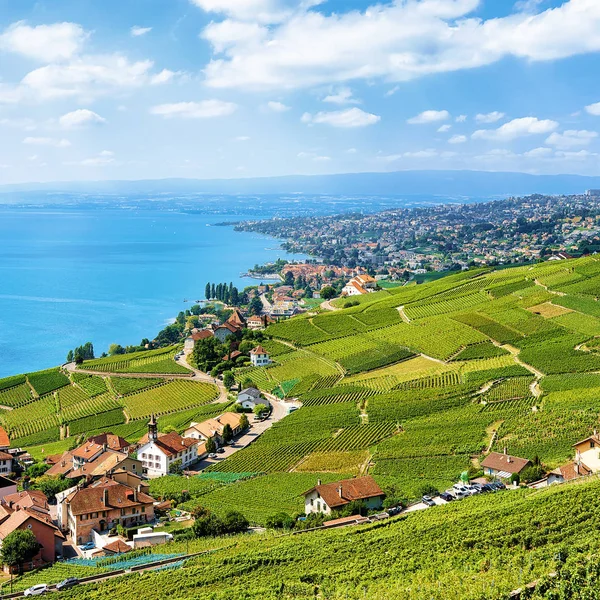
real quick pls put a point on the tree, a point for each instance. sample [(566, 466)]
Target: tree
[(327, 293), (70, 356), (51, 485), (37, 470), (234, 297), (207, 291), (228, 379), (244, 423), (247, 382), (210, 524), (198, 512), (227, 434), (176, 468), (115, 349), (289, 278), (235, 522), (280, 521), (213, 292), (19, 547), (210, 445), (255, 306), (259, 409)]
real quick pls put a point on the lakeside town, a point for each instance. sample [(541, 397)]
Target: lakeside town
[(449, 236)]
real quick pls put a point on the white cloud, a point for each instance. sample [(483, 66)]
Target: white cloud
[(461, 118), (429, 153), (538, 153), (593, 109), (393, 41), (277, 106), (429, 116), (571, 138), (351, 117), (80, 118), (24, 123), (444, 128), (342, 95), (490, 117), (195, 110), (163, 77), (517, 128), (47, 141), (104, 159), (528, 5), (457, 139), (46, 43), (580, 155), (392, 91), (137, 31), (242, 138), (351, 151)]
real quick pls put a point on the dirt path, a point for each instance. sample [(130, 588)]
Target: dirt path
[(403, 314), (328, 306), (515, 352)]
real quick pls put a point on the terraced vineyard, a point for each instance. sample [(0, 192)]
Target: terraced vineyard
[(150, 361)]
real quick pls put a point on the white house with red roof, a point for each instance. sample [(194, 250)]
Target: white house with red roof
[(158, 453), (259, 357), (323, 498)]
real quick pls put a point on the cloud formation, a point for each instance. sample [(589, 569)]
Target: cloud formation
[(79, 118), (516, 128), (349, 118), (204, 109), (429, 116)]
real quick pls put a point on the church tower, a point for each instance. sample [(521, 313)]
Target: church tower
[(152, 429)]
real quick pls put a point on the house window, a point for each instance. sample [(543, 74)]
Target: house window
[(122, 512), (143, 509), (592, 445), (312, 502), (133, 467)]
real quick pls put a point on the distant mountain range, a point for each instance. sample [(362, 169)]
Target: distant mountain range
[(469, 184)]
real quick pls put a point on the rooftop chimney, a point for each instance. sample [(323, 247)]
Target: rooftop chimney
[(339, 490), (318, 482), (135, 495), (505, 450)]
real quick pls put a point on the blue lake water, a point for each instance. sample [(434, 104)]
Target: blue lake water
[(68, 276)]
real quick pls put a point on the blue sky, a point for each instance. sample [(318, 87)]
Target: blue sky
[(132, 89)]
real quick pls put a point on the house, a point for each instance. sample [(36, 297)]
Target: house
[(353, 288), (63, 466), (323, 498), (86, 453), (232, 355), (213, 428), (6, 463), (588, 452), (7, 487), (103, 505), (259, 322), (105, 464), (111, 442), (159, 453), (117, 547), (259, 357), (250, 397), (503, 465), (46, 533), (568, 472), (366, 281), (222, 332), (197, 334)]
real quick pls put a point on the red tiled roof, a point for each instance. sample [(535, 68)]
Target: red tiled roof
[(202, 334), (5, 456), (172, 443), (345, 491), (504, 462), (33, 499), (351, 520), (91, 499), (4, 440), (232, 355), (114, 442), (258, 350), (117, 547), (573, 471), (20, 517), (63, 466)]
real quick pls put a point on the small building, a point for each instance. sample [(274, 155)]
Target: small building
[(503, 465), (259, 357), (6, 463), (232, 355), (147, 536), (111, 442), (568, 472), (250, 397), (237, 319), (213, 428), (33, 500), (158, 453), (323, 498), (197, 334), (4, 440), (222, 332), (588, 452), (353, 288), (46, 533), (103, 505), (115, 548)]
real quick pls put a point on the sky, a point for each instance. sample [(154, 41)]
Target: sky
[(137, 89)]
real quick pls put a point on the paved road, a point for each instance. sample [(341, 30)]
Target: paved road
[(280, 410)]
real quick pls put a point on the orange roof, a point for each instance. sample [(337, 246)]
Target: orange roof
[(172, 443), (19, 518), (87, 451), (114, 442), (4, 440), (63, 466), (33, 499), (208, 428), (5, 456), (201, 335), (342, 492), (230, 418), (573, 471)]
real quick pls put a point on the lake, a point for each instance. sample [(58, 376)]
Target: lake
[(106, 275)]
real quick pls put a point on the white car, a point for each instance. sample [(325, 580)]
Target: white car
[(36, 590)]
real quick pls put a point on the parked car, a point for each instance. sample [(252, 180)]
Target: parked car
[(428, 500), (395, 510), (220, 450), (447, 496), (88, 546), (213, 455), (36, 590), (68, 583), (498, 485), (488, 487)]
